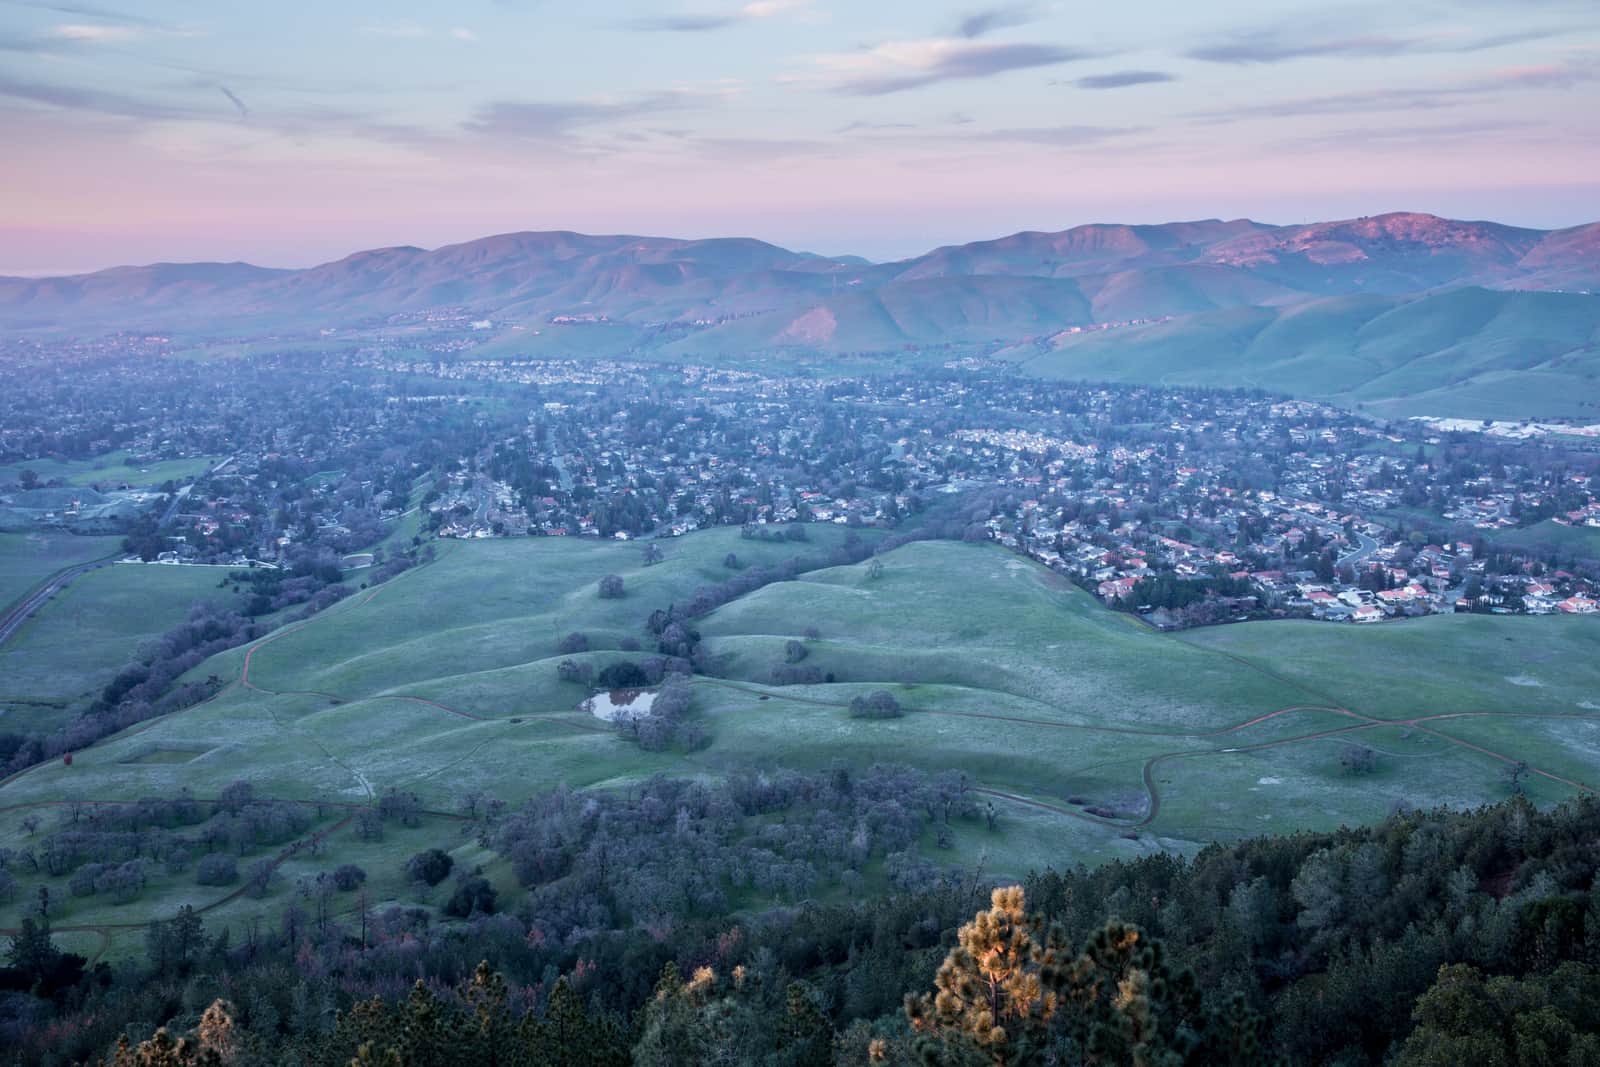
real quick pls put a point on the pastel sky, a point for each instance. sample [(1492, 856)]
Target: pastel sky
[(295, 132)]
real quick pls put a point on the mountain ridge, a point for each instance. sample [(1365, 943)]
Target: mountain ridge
[(545, 273), (1172, 302)]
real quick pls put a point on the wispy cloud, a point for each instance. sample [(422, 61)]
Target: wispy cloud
[(1059, 136), (90, 11), (902, 65), (71, 98), (534, 119), (706, 22), (93, 32), (1123, 78), (1415, 98), (1438, 134), (233, 98), (461, 33), (979, 23), (1283, 43)]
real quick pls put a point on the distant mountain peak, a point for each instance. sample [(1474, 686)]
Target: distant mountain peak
[(740, 291)]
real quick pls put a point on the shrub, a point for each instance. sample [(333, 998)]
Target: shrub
[(573, 642), (216, 869), (877, 705), (623, 675), (572, 671), (474, 896), (348, 876), (611, 587), (431, 866)]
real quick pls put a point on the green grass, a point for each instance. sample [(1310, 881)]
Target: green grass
[(110, 469), (1009, 675), (77, 642), (27, 559), (1580, 541), (1467, 352)]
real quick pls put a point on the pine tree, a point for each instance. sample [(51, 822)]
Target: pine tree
[(671, 1033), (990, 1006), (805, 1037), (32, 951)]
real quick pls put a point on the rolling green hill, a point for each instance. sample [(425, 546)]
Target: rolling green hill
[(1093, 736), (1472, 353)]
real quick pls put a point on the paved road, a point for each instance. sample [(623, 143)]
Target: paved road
[(1366, 546), (13, 619)]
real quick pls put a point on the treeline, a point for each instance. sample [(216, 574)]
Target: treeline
[(116, 847), (143, 689), (1434, 938)]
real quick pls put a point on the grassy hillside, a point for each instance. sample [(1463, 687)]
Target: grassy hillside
[(73, 645), (26, 559), (1470, 352), (444, 681)]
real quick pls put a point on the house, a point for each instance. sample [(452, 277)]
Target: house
[(1117, 588), (1367, 613), (1578, 605)]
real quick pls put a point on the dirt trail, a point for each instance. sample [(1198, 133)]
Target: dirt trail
[(1151, 787)]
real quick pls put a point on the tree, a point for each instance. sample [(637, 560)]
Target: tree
[(1516, 776), (430, 866), (990, 1005), (875, 569), (32, 951), (259, 877), (1358, 759), (219, 868), (574, 671), (1010, 986), (573, 642), (1541, 1019), (474, 896), (348, 876), (793, 651), (880, 704), (805, 1037), (611, 587)]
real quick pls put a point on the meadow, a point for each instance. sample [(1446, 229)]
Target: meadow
[(27, 559), (72, 646), (111, 469), (1092, 736)]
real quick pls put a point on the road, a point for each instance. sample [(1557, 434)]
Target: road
[(19, 613), (177, 498), (1366, 546)]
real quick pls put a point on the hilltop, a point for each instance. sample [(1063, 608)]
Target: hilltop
[(1308, 309)]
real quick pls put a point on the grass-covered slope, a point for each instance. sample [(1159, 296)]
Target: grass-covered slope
[(1469, 352), (1092, 736)]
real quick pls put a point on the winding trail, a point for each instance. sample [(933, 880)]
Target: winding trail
[(1355, 722), (1152, 807)]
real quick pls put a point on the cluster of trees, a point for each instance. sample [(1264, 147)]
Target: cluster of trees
[(665, 724), (673, 850), (1435, 938), (880, 704), (113, 848)]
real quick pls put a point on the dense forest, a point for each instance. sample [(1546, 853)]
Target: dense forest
[(1441, 937)]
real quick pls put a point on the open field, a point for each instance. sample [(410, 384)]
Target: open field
[(75, 643), (444, 681), (27, 559), (1580, 541), (110, 469)]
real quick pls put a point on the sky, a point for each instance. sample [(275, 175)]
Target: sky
[(293, 133)]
